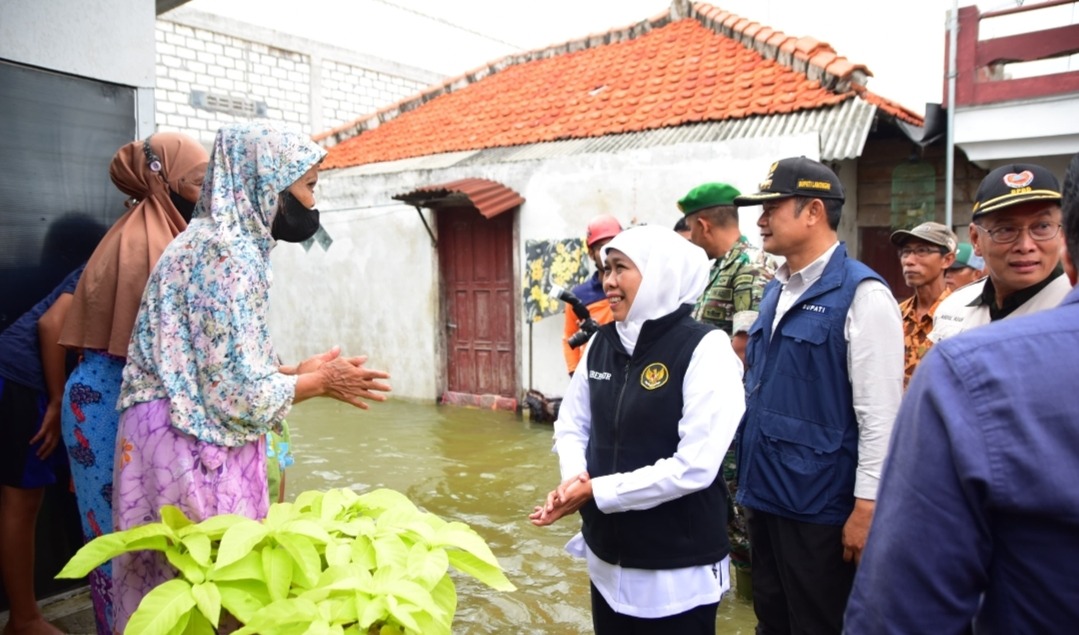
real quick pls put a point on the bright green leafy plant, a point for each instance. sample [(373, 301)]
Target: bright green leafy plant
[(333, 562)]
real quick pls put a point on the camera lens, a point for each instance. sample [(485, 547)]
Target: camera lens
[(577, 339)]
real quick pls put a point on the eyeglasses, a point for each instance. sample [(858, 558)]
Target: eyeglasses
[(921, 251), (1006, 234)]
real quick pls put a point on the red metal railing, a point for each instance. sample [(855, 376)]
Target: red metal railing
[(979, 79)]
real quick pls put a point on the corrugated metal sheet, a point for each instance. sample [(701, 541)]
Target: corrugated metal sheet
[(490, 198), (843, 130), (430, 162)]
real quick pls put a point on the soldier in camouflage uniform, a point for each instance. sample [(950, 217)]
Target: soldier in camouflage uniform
[(730, 302)]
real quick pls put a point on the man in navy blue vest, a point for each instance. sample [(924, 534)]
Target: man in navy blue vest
[(823, 382)]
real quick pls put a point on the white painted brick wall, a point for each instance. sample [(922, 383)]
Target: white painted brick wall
[(199, 58)]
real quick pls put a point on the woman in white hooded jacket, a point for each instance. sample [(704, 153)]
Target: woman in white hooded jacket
[(641, 435)]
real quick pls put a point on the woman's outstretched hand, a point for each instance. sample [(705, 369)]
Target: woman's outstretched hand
[(346, 379), (313, 363), (343, 378)]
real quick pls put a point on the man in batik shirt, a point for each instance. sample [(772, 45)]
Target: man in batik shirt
[(925, 253)]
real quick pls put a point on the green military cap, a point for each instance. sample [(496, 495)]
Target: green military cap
[(707, 195)]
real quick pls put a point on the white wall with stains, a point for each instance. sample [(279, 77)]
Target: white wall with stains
[(374, 290)]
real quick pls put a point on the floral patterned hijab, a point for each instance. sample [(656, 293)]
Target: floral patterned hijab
[(250, 167), (202, 339)]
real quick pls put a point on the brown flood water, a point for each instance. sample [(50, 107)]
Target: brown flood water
[(484, 468)]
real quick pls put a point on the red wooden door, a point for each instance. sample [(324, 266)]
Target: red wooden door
[(476, 258), (882, 256)]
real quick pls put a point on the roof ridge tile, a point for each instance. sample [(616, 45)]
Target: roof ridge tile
[(692, 63)]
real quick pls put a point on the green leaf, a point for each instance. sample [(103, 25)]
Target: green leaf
[(363, 553), (279, 514), (349, 528), (445, 596), (186, 565), (162, 608), (340, 609), (338, 554), (244, 599), (238, 540), (277, 565), (414, 594), (175, 519), (373, 610), (150, 543), (321, 627), (383, 577), (408, 521), (307, 528), (311, 500), (198, 625), (383, 499), (198, 545), (366, 526), (489, 574), (215, 526), (402, 613), (281, 613), (247, 568), (181, 626), (208, 600), (333, 503), (308, 562), (461, 536), (342, 578), (430, 625), (106, 547), (390, 551), (427, 566), (93, 554), (149, 530)]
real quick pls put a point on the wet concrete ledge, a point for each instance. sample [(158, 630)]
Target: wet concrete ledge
[(70, 611)]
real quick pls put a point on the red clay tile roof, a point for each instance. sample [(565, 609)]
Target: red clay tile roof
[(711, 66), (490, 198), (891, 107)]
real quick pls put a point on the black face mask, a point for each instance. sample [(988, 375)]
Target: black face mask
[(293, 223), (182, 205)]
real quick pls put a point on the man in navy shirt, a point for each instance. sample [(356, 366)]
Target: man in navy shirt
[(978, 511), (32, 374)]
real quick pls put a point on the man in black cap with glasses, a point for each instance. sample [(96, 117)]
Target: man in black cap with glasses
[(1015, 227), (978, 509)]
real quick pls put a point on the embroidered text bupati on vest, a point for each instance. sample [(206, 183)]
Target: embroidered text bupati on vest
[(798, 440)]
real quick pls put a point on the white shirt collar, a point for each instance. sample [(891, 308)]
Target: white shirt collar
[(808, 274)]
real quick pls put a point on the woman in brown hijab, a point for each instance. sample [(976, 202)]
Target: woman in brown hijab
[(163, 175)]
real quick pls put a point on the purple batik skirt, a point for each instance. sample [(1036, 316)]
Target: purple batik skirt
[(157, 465)]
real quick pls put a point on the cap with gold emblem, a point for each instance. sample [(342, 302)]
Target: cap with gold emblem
[(796, 176), (1014, 183)]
